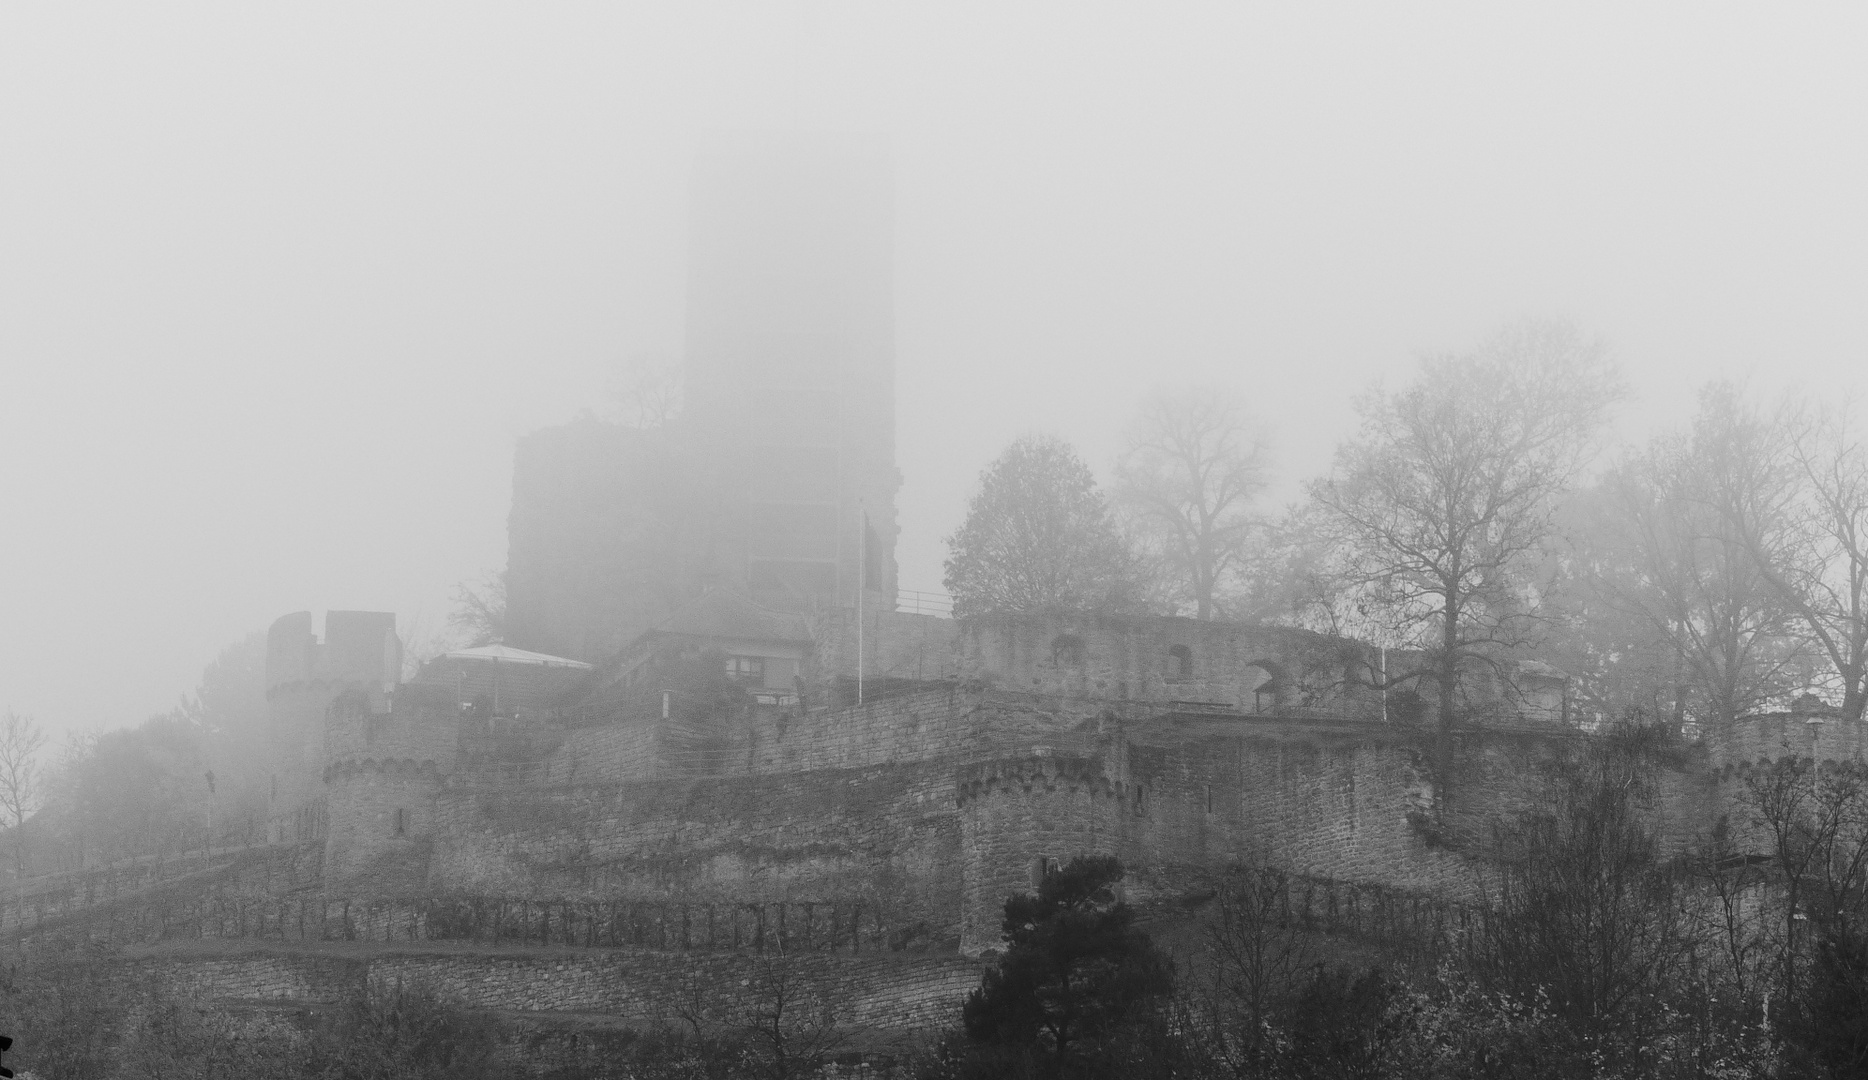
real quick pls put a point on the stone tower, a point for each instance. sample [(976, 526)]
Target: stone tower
[(786, 443), (791, 361), (359, 656), (384, 770)]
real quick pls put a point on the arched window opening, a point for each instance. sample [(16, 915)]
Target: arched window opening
[(1067, 650), (1180, 661), (1265, 685)]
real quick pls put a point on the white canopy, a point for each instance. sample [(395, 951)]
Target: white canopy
[(505, 654)]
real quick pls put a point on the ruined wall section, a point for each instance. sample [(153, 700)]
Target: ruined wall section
[(1249, 668), (1180, 799), (1342, 804), (843, 804), (896, 645), (884, 835), (942, 722)]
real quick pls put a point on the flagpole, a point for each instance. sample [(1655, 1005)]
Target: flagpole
[(862, 586), (1384, 649)]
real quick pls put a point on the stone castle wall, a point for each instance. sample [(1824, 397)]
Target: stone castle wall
[(886, 834), (1019, 816), (935, 805), (1162, 659), (1153, 740)]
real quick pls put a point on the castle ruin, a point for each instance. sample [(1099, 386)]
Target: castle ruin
[(876, 781)]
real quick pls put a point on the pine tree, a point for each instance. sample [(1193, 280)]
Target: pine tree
[(1077, 978)]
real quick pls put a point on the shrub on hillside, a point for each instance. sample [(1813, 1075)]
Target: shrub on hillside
[(1077, 989)]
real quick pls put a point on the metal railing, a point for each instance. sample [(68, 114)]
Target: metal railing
[(916, 602)]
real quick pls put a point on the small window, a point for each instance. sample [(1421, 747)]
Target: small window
[(402, 822), (1209, 798), (750, 669), (1180, 661), (1140, 799)]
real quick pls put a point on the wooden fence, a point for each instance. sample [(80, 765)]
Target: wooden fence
[(827, 926)]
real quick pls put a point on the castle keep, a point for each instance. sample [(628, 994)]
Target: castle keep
[(777, 479)]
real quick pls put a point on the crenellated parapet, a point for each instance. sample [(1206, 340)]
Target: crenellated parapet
[(395, 769), (1041, 772), (1808, 735)]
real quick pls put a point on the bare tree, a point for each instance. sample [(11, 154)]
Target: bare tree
[(1441, 503), (20, 788), (1682, 552), (480, 610), (649, 392), (776, 1022), (1583, 910), (1194, 463), (1730, 917), (419, 646), (1804, 521), (1812, 821), (1249, 978), (1619, 662)]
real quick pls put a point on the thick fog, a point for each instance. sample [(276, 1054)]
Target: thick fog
[(280, 286)]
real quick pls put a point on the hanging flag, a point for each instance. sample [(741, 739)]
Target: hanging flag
[(873, 577)]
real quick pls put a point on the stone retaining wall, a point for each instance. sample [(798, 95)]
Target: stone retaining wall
[(889, 992)]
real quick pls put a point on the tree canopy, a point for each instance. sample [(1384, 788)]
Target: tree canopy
[(1039, 535)]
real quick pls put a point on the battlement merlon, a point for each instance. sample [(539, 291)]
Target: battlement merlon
[(359, 648)]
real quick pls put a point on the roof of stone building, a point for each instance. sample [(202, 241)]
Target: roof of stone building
[(722, 614), (506, 654)]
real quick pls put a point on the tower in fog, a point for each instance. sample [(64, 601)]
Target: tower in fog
[(791, 361), (786, 442)]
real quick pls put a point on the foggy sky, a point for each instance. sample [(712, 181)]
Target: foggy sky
[(279, 286)]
